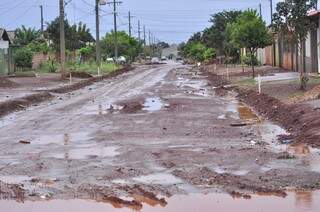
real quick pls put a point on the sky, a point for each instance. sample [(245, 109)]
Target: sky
[(172, 21)]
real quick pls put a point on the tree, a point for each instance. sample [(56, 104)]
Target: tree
[(249, 31), (163, 45), (24, 36), (291, 21), (128, 46), (23, 58), (77, 36), (216, 36), (208, 54)]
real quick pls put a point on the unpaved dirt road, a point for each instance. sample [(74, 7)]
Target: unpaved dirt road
[(143, 137)]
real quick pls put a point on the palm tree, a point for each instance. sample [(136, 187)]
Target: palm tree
[(24, 36)]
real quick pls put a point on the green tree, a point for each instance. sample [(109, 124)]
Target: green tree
[(216, 36), (77, 36), (209, 54), (24, 36), (291, 21), (23, 58), (39, 45), (249, 31), (127, 46)]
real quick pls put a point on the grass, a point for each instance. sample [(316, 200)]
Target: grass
[(88, 67), (92, 68), (28, 73), (247, 82)]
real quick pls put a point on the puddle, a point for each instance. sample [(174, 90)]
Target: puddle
[(247, 114), (101, 109), (158, 178), (300, 201), (63, 139), (87, 152), (14, 179), (154, 104)]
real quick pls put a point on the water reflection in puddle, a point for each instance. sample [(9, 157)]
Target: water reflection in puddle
[(87, 152), (62, 139), (158, 178), (300, 201), (154, 104)]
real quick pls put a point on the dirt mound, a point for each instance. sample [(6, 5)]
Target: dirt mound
[(21, 103), (11, 191), (301, 121), (82, 75), (312, 94), (6, 83), (90, 81)]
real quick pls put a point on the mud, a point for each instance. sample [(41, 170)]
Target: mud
[(17, 104), (6, 83), (300, 120), (168, 134)]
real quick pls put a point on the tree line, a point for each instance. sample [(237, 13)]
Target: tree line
[(231, 31)]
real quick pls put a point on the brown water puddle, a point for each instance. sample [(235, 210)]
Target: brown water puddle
[(301, 201), (247, 114)]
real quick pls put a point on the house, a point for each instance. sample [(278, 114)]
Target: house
[(5, 53), (286, 54)]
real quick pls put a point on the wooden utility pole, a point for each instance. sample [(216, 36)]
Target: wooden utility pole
[(260, 10), (98, 48), (62, 40), (115, 3), (41, 16), (271, 10), (144, 35), (139, 31), (130, 27)]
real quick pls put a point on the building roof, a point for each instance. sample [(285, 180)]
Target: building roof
[(313, 13), (4, 35)]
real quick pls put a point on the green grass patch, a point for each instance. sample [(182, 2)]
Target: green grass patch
[(87, 67), (28, 73), (91, 68), (247, 82)]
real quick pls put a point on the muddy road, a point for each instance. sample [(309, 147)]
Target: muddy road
[(145, 139)]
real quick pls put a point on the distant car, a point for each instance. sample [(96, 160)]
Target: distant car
[(179, 59), (155, 60), (163, 58), (121, 60), (110, 60)]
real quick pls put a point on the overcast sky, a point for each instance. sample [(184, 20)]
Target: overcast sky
[(172, 21)]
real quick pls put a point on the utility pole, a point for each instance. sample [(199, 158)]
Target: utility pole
[(260, 10), (115, 3), (139, 31), (98, 49), (271, 10), (130, 27), (62, 40), (41, 13), (144, 35)]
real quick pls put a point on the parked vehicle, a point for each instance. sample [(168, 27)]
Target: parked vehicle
[(163, 58), (110, 60), (121, 60), (155, 60)]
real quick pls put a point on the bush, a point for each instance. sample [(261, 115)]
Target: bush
[(39, 45), (209, 54), (250, 60), (50, 66), (23, 58)]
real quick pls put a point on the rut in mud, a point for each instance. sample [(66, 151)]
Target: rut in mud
[(145, 136)]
